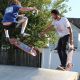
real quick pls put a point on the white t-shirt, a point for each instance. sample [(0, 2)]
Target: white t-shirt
[(61, 26)]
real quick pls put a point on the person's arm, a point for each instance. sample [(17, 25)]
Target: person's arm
[(28, 9), (49, 28), (71, 36), (68, 25), (21, 15)]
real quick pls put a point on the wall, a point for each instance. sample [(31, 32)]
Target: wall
[(75, 35)]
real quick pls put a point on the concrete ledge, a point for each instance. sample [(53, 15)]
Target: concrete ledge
[(26, 73), (61, 75)]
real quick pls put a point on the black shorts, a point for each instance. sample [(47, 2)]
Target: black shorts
[(12, 26)]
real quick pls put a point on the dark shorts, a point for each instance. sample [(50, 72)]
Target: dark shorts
[(12, 26)]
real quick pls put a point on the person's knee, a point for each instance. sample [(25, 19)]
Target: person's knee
[(12, 26), (26, 19), (59, 51), (6, 27), (58, 48)]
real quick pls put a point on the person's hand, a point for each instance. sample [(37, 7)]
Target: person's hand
[(22, 15), (42, 34), (35, 10), (71, 46), (72, 43)]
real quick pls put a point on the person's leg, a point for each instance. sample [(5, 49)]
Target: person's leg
[(59, 51), (23, 21), (7, 29), (64, 57), (24, 25), (64, 46), (20, 20), (6, 33)]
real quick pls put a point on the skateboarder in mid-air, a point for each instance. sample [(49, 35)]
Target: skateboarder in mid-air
[(11, 15), (63, 28)]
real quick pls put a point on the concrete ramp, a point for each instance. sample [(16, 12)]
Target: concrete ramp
[(26, 73)]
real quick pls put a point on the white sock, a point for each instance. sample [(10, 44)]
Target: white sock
[(24, 26), (22, 30), (6, 33)]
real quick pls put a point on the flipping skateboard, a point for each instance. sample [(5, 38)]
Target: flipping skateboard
[(22, 46)]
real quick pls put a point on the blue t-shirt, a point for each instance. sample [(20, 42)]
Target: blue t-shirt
[(11, 13)]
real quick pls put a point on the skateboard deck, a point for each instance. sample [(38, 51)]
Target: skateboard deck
[(22, 46)]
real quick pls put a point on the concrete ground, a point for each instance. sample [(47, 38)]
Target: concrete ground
[(26, 73)]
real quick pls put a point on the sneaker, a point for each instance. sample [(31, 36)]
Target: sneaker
[(61, 68), (25, 34), (69, 67)]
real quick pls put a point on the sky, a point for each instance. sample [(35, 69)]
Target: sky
[(75, 6)]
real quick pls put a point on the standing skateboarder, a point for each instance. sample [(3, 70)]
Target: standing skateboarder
[(63, 28)]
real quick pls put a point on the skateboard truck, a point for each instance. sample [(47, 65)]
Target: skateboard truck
[(32, 52)]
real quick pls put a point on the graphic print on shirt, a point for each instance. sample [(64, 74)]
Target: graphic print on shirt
[(9, 10)]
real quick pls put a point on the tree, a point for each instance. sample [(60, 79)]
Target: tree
[(38, 22), (61, 6)]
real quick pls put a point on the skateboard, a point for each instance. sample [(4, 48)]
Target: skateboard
[(22, 46)]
